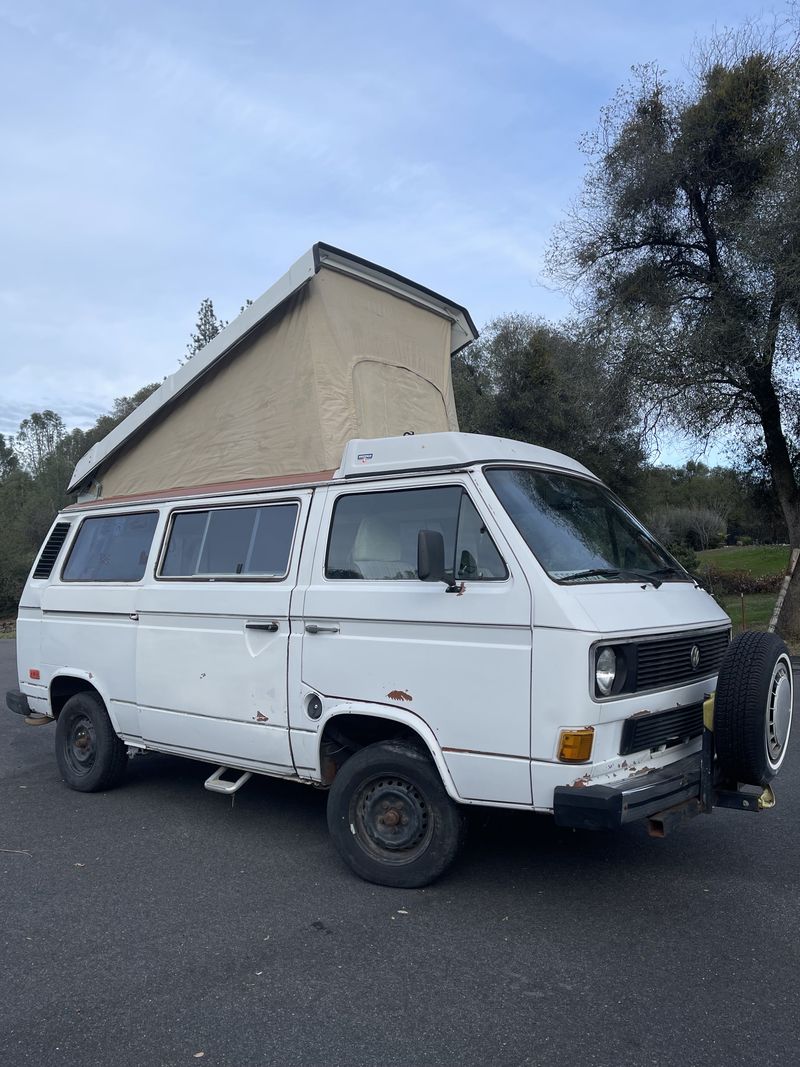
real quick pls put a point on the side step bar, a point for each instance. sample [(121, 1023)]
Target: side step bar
[(217, 784)]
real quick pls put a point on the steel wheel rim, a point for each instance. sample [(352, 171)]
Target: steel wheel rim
[(778, 720), (391, 819), (81, 747)]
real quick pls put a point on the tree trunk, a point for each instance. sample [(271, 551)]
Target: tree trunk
[(789, 618), (786, 488)]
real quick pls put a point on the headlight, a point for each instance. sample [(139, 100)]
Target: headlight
[(605, 671)]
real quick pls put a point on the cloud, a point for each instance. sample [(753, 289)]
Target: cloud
[(160, 153)]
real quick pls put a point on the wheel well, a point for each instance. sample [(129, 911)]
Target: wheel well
[(344, 735), (64, 687)]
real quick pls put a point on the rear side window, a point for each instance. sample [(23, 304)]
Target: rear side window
[(111, 548), (231, 542), (374, 535)]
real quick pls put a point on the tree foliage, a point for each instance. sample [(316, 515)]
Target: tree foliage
[(206, 328), (34, 473), (37, 439), (548, 385), (684, 248)]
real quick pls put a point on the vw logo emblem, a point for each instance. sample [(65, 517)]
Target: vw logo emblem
[(694, 656)]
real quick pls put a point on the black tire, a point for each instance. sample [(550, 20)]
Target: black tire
[(753, 708), (90, 755), (390, 817)]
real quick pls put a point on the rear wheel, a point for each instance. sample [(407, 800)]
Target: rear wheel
[(390, 817), (90, 755), (753, 708)]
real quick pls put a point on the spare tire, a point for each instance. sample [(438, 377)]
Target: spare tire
[(753, 708)]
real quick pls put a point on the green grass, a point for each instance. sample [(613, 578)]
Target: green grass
[(758, 608), (759, 559)]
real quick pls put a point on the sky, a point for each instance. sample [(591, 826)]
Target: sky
[(154, 154)]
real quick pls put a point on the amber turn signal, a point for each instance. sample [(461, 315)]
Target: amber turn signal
[(575, 746)]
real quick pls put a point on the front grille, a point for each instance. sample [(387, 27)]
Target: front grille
[(651, 729), (667, 663)]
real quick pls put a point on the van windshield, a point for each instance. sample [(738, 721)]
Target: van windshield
[(578, 531)]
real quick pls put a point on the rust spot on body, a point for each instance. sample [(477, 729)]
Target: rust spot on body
[(580, 783), (398, 694), (261, 717)]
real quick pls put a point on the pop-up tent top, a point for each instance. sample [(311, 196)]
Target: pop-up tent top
[(339, 348)]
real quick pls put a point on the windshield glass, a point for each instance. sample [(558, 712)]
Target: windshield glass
[(577, 530)]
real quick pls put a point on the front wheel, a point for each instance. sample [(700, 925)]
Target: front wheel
[(390, 817), (90, 756), (753, 708)]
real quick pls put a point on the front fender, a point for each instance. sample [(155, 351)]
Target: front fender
[(389, 714)]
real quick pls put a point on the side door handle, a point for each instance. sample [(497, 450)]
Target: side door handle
[(314, 628), (271, 627)]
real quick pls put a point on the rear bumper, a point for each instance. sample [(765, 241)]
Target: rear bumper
[(17, 702), (606, 807)]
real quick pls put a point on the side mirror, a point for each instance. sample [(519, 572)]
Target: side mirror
[(430, 557)]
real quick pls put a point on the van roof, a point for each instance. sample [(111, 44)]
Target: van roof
[(376, 458)]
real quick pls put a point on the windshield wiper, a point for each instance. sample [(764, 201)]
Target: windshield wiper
[(614, 572), (663, 572)]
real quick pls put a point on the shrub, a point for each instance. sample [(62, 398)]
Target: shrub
[(735, 582), (686, 556), (744, 541)]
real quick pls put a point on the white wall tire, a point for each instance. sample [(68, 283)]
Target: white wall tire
[(753, 708)]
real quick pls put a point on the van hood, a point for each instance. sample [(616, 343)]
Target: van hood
[(609, 608)]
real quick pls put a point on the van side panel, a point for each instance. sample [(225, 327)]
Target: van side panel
[(29, 635), (212, 658), (89, 630)]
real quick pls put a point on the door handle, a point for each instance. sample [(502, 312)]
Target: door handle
[(314, 628), (271, 627)]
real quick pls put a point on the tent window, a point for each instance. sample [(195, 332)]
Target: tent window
[(231, 542), (374, 535), (111, 548)]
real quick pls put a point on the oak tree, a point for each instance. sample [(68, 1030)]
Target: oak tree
[(684, 248)]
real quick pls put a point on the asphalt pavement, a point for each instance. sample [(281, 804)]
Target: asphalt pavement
[(160, 924)]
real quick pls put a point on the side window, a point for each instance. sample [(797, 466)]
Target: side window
[(374, 535), (476, 555), (111, 548), (229, 542)]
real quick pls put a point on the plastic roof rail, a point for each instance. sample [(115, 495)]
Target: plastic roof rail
[(383, 455)]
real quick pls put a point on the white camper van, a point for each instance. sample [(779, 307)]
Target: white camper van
[(446, 620)]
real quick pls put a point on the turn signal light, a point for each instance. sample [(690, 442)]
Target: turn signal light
[(575, 746)]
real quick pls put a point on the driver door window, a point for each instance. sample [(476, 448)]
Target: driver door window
[(374, 535)]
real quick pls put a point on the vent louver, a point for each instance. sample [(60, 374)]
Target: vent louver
[(44, 568)]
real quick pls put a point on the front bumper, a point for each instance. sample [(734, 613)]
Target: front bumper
[(606, 807), (17, 702)]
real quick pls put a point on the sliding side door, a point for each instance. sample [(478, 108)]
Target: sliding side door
[(214, 633)]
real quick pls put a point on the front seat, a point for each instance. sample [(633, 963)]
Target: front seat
[(377, 553)]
